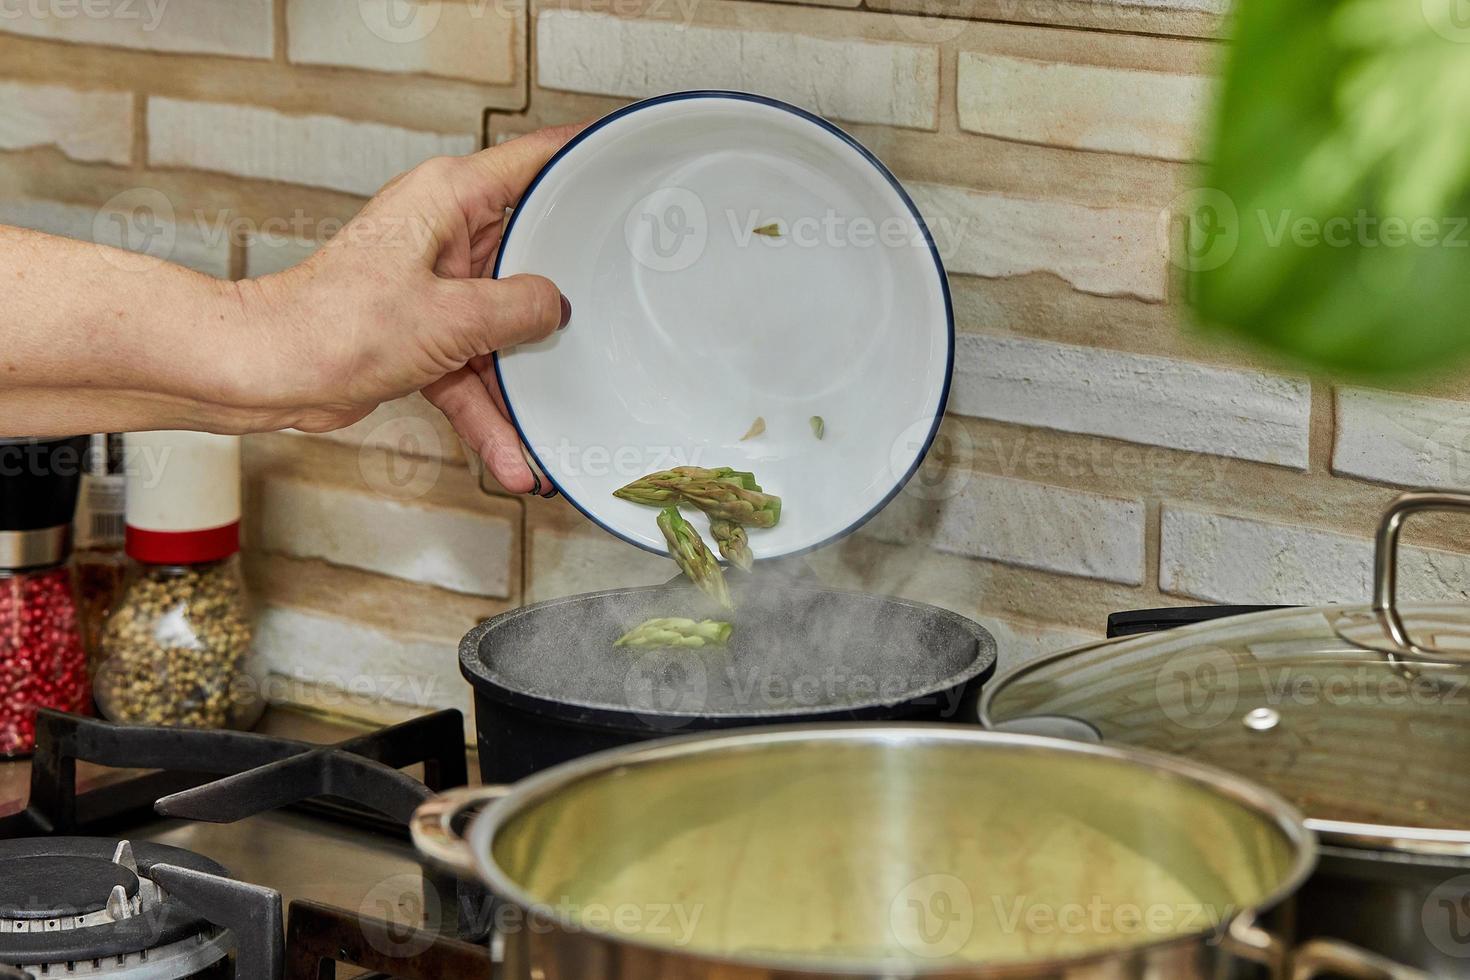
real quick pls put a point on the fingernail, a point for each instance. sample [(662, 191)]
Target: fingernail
[(566, 313), (539, 487)]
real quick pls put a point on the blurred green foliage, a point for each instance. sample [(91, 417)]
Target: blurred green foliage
[(1335, 226)]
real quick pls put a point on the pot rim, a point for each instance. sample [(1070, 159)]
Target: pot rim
[(484, 827), (626, 718), (1420, 841)]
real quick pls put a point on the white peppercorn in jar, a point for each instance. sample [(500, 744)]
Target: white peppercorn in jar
[(177, 647)]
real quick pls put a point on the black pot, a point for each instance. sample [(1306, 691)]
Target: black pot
[(550, 686)]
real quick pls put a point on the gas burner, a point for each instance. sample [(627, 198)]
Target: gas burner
[(95, 907), (49, 892)]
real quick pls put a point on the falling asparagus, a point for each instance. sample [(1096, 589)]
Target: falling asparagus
[(673, 632), (723, 493), (662, 487), (819, 428), (772, 230), (733, 543), (727, 502), (756, 428), (693, 556)]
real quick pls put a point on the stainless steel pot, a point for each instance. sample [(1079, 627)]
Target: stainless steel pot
[(1359, 715), (883, 851)]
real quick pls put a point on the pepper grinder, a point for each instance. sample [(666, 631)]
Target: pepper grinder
[(42, 662), (177, 647)]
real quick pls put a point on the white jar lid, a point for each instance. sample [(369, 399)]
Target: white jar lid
[(183, 496)]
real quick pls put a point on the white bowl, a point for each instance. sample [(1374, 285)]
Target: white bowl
[(686, 326)]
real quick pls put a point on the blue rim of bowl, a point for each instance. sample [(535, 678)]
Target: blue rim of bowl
[(883, 171)]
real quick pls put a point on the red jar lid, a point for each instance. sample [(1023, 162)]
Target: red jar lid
[(183, 547)]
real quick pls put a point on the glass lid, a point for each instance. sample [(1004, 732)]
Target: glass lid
[(1358, 715)]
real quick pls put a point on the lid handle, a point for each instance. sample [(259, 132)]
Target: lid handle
[(1385, 568)]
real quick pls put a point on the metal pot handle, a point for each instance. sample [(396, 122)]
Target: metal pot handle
[(432, 826), (1247, 939), (1318, 957), (1385, 569)]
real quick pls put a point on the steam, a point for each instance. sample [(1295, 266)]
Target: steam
[(796, 648)]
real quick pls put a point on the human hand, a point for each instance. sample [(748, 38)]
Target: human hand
[(397, 302)]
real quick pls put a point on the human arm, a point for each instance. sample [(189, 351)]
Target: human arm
[(97, 340)]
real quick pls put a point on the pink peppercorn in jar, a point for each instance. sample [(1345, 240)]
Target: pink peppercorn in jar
[(42, 661)]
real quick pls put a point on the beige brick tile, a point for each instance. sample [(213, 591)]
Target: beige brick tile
[(1137, 397), (1180, 18), (566, 554), (1402, 439), (317, 150), (854, 79), (462, 551), (218, 206), (1005, 167), (1011, 592), (1043, 307), (1114, 467), (358, 645), (1145, 113), (91, 126), (953, 583), (429, 103), (240, 28), (407, 517), (477, 41), (410, 609), (1021, 523), (1108, 251), (1223, 558), (372, 664)]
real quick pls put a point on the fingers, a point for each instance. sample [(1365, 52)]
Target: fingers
[(485, 368), (463, 399), (511, 166), (459, 199), (493, 314)]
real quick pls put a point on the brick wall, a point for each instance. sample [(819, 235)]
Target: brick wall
[(1097, 456)]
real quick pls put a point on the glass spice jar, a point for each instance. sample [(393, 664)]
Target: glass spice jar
[(177, 646), (99, 560), (178, 649), (42, 661)]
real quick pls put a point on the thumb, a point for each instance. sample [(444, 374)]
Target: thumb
[(506, 170), (493, 314)]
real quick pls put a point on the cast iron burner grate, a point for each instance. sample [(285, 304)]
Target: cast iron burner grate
[(189, 758), (321, 937), (96, 907), (221, 777)]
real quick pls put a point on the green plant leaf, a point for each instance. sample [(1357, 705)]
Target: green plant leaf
[(1336, 223)]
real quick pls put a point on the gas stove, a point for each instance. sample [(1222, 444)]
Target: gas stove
[(95, 907), (145, 853)]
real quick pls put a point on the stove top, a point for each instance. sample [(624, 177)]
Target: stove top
[(68, 884), (92, 906), (306, 813)]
